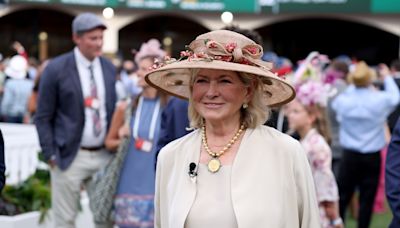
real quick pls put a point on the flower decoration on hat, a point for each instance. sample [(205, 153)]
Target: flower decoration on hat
[(150, 48), (220, 50), (209, 50), (311, 84)]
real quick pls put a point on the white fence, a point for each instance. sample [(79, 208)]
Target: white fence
[(21, 147)]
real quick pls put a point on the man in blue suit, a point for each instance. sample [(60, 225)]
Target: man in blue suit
[(174, 122), (75, 105), (2, 163), (392, 176)]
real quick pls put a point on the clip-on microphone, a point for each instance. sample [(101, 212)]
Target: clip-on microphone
[(192, 168)]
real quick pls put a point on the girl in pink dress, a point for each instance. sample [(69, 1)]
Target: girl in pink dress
[(308, 122), (307, 116)]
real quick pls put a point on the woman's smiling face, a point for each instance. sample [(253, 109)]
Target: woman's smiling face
[(219, 94)]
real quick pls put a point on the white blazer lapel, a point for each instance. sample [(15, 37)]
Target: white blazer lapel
[(188, 185)]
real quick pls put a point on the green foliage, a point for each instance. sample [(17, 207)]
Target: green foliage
[(34, 194), (377, 221)]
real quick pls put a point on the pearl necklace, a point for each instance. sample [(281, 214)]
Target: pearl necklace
[(215, 164)]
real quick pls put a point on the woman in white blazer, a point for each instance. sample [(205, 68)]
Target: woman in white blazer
[(231, 171)]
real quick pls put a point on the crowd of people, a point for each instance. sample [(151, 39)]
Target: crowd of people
[(224, 136)]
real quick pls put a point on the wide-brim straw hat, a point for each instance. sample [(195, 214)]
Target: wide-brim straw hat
[(220, 50), (362, 75)]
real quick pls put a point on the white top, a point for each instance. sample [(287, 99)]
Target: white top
[(270, 185), (88, 137), (212, 207)]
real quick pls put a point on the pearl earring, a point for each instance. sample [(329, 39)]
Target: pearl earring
[(245, 105)]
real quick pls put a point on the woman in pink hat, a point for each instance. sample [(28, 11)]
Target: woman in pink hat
[(134, 198), (231, 171)]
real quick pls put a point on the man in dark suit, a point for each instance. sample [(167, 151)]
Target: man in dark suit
[(174, 122), (2, 164), (392, 176), (75, 105), (395, 70)]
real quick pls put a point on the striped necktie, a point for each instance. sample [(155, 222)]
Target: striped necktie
[(95, 108)]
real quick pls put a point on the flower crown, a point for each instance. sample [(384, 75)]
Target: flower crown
[(311, 84)]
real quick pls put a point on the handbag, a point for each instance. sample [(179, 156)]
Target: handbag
[(103, 184)]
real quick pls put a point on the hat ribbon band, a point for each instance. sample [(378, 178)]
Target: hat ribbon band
[(249, 54)]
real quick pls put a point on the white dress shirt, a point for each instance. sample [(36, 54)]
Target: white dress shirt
[(82, 63)]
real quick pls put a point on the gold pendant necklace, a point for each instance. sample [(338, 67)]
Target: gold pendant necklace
[(215, 164)]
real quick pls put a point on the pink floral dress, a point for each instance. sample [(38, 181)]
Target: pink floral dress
[(320, 156)]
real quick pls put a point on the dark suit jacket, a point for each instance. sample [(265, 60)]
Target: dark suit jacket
[(396, 112), (392, 176), (60, 113), (2, 164), (174, 121)]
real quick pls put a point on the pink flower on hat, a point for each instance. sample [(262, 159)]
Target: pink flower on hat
[(253, 50), (157, 64), (221, 49), (230, 47), (312, 93), (312, 87), (332, 75), (186, 53), (200, 55), (150, 48)]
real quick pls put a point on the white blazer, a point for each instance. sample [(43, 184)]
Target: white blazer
[(271, 182)]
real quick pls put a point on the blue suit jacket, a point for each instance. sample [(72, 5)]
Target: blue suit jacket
[(2, 164), (392, 176), (174, 121), (60, 116)]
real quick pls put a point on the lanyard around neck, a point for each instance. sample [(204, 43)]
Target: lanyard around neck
[(153, 119)]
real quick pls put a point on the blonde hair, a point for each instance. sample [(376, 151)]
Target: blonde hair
[(257, 113), (321, 123)]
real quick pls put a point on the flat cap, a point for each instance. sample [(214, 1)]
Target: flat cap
[(86, 21)]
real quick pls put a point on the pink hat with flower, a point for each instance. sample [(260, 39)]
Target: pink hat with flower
[(312, 85), (150, 48), (220, 50)]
